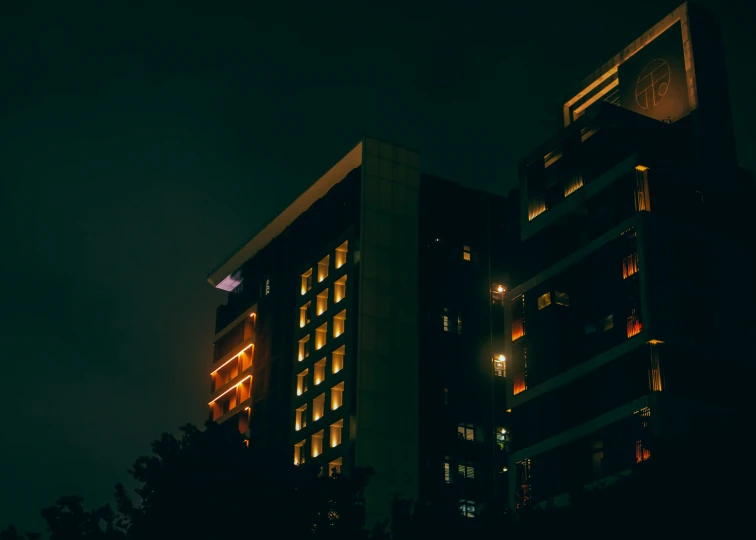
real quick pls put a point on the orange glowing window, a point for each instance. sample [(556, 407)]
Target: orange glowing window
[(336, 429), (319, 372), (337, 359), (520, 383), (634, 325), (466, 254), (334, 467), (337, 396), (304, 348), (630, 265), (518, 329), (341, 254), (323, 268), (339, 321), (339, 290), (306, 281), (317, 443), (299, 453), (320, 336)]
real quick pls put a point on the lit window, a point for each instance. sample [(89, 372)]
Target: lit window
[(323, 268), (500, 366), (267, 287), (338, 323), (307, 281), (336, 429), (466, 255), (467, 508), (322, 301), (317, 443), (320, 336), (502, 438), (466, 432), (341, 254), (334, 467), (304, 315), (629, 265), (446, 322), (339, 290), (634, 325), (318, 407), (520, 384), (518, 317), (319, 372), (447, 471), (561, 298), (544, 300), (302, 382), (304, 348), (301, 418), (337, 359), (299, 455), (466, 471), (337, 396)]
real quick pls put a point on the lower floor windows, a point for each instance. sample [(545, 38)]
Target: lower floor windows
[(467, 508)]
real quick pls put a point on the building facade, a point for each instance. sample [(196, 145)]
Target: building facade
[(364, 327), (628, 216)]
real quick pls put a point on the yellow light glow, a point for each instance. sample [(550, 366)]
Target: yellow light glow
[(504, 469), (231, 359), (503, 431), (502, 358), (227, 391), (246, 408), (641, 168), (252, 314), (500, 288)]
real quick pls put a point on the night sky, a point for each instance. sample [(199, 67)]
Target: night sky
[(138, 151)]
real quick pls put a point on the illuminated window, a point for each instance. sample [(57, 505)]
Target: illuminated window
[(520, 383), (307, 281), (322, 302), (304, 348), (318, 373), (299, 454), (544, 300), (337, 396), (339, 290), (341, 254), (334, 467), (642, 201), (467, 508), (630, 265), (502, 438), (302, 382), (304, 315), (317, 443), (466, 432), (654, 370), (500, 366), (445, 319), (518, 317), (320, 336), (300, 420), (561, 298), (337, 359), (267, 287), (447, 471), (634, 325), (336, 429), (642, 453), (466, 255), (466, 471), (318, 407), (323, 268), (339, 320)]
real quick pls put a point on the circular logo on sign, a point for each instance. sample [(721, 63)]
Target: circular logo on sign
[(652, 84)]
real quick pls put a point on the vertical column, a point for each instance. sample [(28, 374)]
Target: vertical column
[(387, 370)]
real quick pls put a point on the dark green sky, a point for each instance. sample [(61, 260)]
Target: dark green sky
[(138, 149)]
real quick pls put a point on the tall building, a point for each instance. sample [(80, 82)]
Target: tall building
[(364, 327), (633, 218)]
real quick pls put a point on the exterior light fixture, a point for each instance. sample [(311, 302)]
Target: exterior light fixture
[(500, 288)]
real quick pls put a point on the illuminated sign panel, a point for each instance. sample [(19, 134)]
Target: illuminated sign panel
[(653, 82)]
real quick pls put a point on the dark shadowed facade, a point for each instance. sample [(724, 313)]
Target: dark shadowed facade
[(633, 218), (364, 326)]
